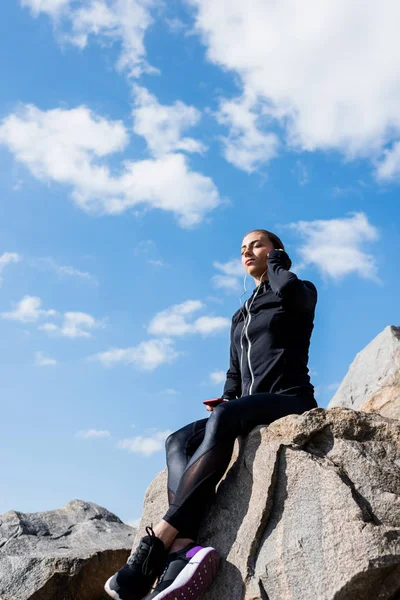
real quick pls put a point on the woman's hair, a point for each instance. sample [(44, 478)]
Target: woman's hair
[(275, 241)]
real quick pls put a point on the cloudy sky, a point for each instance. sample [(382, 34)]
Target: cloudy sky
[(139, 141)]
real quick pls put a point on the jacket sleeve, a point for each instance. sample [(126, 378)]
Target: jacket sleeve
[(233, 384), (284, 283)]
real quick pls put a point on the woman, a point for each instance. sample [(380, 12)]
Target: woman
[(267, 379)]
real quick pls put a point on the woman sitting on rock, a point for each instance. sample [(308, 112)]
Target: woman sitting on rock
[(267, 380)]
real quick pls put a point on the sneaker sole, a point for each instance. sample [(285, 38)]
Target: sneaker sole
[(111, 592), (194, 578)]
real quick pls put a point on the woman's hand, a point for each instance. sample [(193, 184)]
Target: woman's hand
[(287, 264), (211, 408)]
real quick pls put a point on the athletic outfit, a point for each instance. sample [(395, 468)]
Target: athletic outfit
[(267, 379)]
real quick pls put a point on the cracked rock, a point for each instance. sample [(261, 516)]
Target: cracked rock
[(64, 554), (372, 383), (309, 509)]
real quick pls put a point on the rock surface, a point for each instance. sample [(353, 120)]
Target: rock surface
[(64, 554), (310, 510), (372, 383)]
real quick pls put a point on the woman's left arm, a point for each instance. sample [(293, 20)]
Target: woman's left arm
[(287, 285)]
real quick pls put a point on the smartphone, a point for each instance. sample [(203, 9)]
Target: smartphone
[(213, 402)]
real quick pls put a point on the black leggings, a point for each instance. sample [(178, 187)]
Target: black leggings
[(199, 454)]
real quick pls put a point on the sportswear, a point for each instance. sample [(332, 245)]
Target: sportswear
[(135, 579), (270, 335), (187, 574)]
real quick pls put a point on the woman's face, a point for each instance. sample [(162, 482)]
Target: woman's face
[(255, 247)]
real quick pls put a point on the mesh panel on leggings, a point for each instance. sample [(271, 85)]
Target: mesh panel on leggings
[(198, 483)]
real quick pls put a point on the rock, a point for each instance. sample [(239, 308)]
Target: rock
[(372, 383), (64, 554), (310, 510)]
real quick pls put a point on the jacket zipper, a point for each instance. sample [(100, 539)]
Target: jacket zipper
[(246, 332)]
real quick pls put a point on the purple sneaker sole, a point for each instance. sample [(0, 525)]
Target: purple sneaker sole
[(194, 578)]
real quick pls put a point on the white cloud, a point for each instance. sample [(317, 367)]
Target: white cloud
[(134, 522), (320, 390), (327, 73), (147, 356), (218, 377), (28, 311), (163, 126), (8, 257), (157, 263), (389, 167), (335, 246), (69, 146), (247, 146), (5, 259), (169, 392), (93, 433), (121, 21), (176, 25), (233, 273), (175, 321), (145, 445), (208, 325), (41, 360), (50, 7), (63, 271), (301, 173), (75, 324), (144, 247)]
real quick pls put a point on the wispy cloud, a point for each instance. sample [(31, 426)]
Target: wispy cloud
[(145, 445), (218, 377), (41, 360), (144, 247), (124, 22), (134, 522), (232, 274), (178, 321), (63, 271), (322, 389), (28, 311), (247, 146), (157, 263), (93, 434), (6, 259), (336, 246), (75, 325), (163, 126), (147, 355), (301, 173)]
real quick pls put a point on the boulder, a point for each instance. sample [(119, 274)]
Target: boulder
[(64, 554), (372, 383), (310, 510)]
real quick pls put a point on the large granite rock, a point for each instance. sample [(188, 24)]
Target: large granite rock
[(372, 383), (310, 510), (64, 554)]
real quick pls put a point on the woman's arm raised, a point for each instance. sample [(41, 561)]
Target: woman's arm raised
[(287, 285)]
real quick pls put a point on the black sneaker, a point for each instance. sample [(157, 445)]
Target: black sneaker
[(187, 574), (135, 579)]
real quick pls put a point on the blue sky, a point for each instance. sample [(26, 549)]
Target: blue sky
[(139, 142)]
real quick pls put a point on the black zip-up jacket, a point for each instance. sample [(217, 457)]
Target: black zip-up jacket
[(270, 335)]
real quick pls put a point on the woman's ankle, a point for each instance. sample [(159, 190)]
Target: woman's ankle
[(180, 544), (166, 533)]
